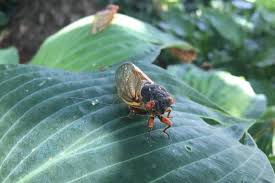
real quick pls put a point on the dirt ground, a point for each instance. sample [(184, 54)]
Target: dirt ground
[(33, 21)]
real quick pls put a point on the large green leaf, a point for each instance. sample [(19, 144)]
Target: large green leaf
[(48, 135), (76, 48), (9, 56), (233, 93), (225, 26)]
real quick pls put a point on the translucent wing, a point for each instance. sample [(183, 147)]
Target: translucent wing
[(129, 81), (103, 18)]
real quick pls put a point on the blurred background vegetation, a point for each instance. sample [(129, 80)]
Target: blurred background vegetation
[(233, 37)]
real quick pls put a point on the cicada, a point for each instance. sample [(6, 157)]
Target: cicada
[(103, 18), (142, 95)]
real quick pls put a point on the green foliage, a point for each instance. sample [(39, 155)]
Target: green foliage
[(222, 87), (263, 132), (7, 8), (264, 86), (76, 48), (225, 26), (9, 56), (58, 126), (48, 134), (235, 36), (3, 19), (272, 160), (226, 36), (269, 4)]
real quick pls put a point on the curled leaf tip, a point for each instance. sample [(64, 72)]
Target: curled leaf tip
[(185, 56)]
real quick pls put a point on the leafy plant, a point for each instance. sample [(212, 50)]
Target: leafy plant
[(267, 4), (48, 134), (9, 56), (3, 19), (75, 48), (60, 126), (222, 87), (234, 36), (6, 10)]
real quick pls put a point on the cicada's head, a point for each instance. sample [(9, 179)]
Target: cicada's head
[(156, 99)]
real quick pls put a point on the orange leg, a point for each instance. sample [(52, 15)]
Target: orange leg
[(166, 121), (151, 122), (131, 112), (169, 110), (150, 126)]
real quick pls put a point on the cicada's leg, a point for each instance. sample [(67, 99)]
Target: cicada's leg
[(169, 110), (166, 121), (151, 122), (150, 126), (137, 111), (131, 112)]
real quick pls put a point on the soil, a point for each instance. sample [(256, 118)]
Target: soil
[(33, 21)]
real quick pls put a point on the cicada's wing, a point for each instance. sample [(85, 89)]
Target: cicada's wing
[(129, 81), (103, 18)]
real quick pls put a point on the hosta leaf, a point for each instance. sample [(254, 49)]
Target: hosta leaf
[(76, 48), (9, 56), (233, 93), (263, 131), (48, 135), (225, 26)]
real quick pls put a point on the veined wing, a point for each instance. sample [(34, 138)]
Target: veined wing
[(129, 81)]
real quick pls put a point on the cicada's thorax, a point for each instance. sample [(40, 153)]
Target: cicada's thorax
[(156, 93)]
